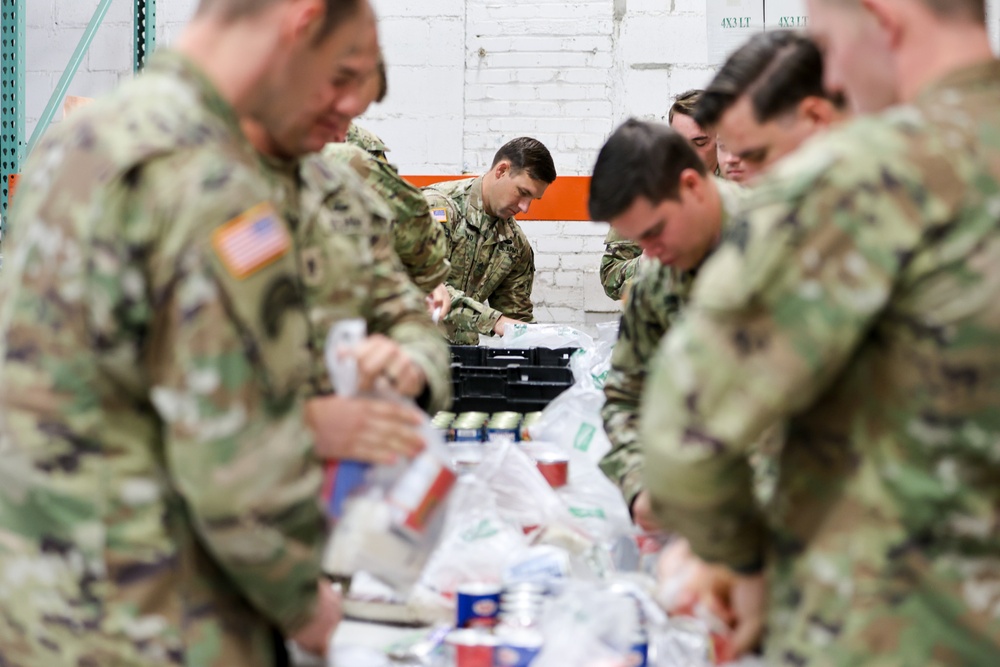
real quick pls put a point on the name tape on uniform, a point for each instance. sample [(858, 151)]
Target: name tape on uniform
[(251, 241)]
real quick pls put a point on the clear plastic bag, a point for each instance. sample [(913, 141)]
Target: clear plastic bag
[(573, 420), (520, 336)]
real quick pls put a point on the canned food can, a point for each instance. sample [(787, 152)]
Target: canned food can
[(463, 433), (502, 434), (478, 604), (554, 468), (518, 647), (470, 648)]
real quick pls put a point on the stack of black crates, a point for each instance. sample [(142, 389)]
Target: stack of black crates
[(489, 379)]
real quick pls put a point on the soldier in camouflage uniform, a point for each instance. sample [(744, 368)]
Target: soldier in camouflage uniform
[(349, 270), (622, 257), (418, 238), (860, 300), (698, 201), (492, 263), (157, 481), (795, 102), (619, 264)]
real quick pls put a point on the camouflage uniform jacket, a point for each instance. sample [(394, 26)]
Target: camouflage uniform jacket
[(367, 141), (619, 264), (655, 300), (861, 299), (157, 483), (350, 270), (417, 237), (491, 261)]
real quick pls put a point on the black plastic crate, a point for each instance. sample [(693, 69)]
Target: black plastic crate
[(468, 355), (486, 404), (557, 357), (482, 381), (503, 358)]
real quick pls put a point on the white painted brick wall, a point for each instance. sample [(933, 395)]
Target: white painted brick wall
[(465, 76)]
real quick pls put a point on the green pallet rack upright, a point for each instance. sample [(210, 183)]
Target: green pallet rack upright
[(12, 145), (12, 97)]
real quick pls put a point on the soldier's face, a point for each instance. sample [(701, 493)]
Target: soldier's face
[(857, 56), (730, 164), (513, 191), (702, 141), (356, 87), (301, 81), (678, 233), (759, 145)]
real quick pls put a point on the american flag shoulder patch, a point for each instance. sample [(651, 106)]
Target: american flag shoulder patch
[(440, 214), (251, 240)]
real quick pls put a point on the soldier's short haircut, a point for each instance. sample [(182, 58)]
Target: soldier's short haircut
[(776, 70), (232, 10), (684, 104), (527, 154), (972, 10), (640, 159), (383, 80)]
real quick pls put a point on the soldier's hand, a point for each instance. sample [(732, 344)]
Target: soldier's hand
[(316, 635), (498, 327), (747, 604), (364, 429), (642, 513), (439, 302), (380, 358)]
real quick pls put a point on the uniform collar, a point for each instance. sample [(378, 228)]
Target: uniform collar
[(482, 220), (175, 64)]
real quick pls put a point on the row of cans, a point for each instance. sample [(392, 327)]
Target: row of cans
[(483, 427), (496, 626)]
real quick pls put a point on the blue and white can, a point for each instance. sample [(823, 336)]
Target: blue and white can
[(478, 605)]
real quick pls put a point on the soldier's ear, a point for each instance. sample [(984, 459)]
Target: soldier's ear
[(502, 168)]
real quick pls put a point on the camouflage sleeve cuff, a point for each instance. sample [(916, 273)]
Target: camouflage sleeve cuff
[(487, 320), (438, 378), (430, 278), (631, 485), (735, 538)]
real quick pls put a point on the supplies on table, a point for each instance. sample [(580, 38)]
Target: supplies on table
[(389, 517)]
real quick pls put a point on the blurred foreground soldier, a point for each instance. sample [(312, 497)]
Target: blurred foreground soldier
[(157, 482), (349, 270), (768, 98), (418, 238), (492, 263), (859, 299), (621, 257), (653, 187)]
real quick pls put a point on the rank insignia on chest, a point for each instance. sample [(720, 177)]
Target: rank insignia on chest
[(251, 241), (440, 214)]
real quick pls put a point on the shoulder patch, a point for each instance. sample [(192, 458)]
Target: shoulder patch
[(440, 214), (251, 240)]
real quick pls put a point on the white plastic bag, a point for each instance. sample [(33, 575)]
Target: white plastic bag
[(475, 543), (523, 496), (520, 336), (574, 421)]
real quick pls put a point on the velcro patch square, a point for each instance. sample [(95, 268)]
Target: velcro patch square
[(251, 241)]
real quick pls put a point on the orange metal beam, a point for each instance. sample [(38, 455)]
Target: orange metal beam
[(565, 199)]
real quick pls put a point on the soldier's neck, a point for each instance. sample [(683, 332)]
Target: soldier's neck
[(938, 54), (220, 52)]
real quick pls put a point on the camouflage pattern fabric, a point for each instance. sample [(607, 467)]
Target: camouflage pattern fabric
[(367, 141), (491, 262), (349, 270), (656, 297), (619, 264), (860, 299), (157, 483), (418, 238)]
